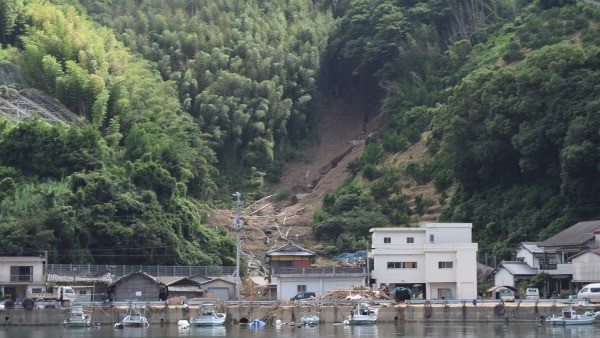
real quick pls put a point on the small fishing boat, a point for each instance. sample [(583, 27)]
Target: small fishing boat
[(135, 318), (78, 317), (207, 316), (309, 320), (363, 313), (571, 317)]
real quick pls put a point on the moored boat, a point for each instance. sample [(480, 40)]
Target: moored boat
[(135, 318), (78, 317), (571, 317), (363, 313), (207, 316)]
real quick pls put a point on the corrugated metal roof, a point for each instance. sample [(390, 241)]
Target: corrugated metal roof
[(518, 268), (576, 235), (56, 278), (185, 288)]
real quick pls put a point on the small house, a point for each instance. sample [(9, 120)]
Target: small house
[(586, 266), (511, 273), (289, 255), (137, 286), (223, 287), (185, 287)]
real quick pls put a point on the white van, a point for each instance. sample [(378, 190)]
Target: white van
[(590, 292), (532, 293)]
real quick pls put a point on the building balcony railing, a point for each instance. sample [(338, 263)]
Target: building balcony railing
[(548, 266), (328, 270), (29, 278)]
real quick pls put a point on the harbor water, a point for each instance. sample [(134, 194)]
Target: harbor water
[(324, 330)]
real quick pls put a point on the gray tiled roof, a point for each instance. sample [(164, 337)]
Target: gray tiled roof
[(290, 249), (532, 247), (518, 268), (576, 235)]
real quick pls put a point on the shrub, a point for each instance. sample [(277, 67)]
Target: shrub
[(372, 172)]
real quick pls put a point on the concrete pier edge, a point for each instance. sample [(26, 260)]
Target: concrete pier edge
[(167, 315)]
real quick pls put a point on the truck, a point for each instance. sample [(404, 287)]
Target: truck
[(63, 294)]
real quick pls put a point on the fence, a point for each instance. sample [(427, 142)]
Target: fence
[(152, 270), (330, 270)]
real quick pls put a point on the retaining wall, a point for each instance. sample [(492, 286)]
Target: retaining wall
[(291, 314)]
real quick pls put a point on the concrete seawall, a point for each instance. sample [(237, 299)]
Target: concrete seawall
[(511, 312)]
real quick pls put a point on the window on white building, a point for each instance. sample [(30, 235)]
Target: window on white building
[(445, 265), (431, 238), (82, 292), (387, 240), (301, 288), (410, 239), (402, 265)]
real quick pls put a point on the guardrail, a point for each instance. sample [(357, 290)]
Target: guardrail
[(491, 301)]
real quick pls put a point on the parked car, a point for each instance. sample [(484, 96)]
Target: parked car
[(506, 295), (532, 293), (303, 295), (590, 292)]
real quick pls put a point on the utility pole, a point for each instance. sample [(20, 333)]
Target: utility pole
[(237, 226), (18, 103), (368, 267)]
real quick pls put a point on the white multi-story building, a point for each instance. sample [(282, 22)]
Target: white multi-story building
[(440, 257), (20, 275)]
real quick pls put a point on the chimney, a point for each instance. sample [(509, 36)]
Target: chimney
[(597, 237)]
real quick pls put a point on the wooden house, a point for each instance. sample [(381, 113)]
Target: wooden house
[(137, 286), (185, 287), (289, 255)]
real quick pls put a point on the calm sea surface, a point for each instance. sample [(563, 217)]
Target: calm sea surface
[(325, 330)]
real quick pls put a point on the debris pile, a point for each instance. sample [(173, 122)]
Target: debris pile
[(357, 293)]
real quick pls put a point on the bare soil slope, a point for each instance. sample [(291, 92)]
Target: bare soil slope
[(269, 223), (341, 132)]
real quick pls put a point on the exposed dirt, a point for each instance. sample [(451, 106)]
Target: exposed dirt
[(341, 132), (269, 222)]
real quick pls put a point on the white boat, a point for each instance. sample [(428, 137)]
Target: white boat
[(78, 317), (135, 318), (571, 317), (363, 313), (183, 324), (207, 316), (309, 320)]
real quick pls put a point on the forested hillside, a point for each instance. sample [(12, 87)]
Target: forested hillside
[(245, 71), (506, 93), (187, 101)]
